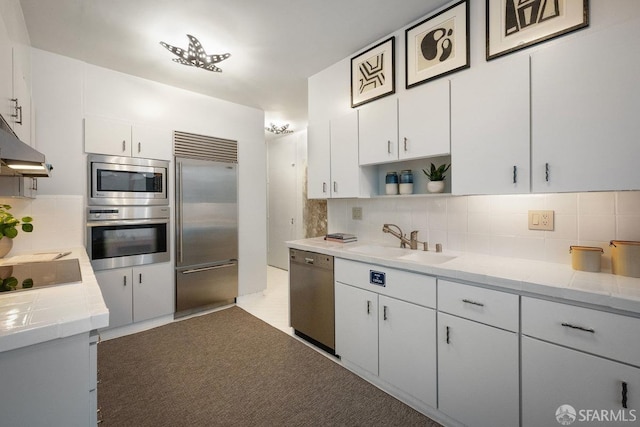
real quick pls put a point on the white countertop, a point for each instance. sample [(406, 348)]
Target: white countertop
[(526, 277), (39, 315)]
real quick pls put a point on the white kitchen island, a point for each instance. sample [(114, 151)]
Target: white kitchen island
[(48, 351)]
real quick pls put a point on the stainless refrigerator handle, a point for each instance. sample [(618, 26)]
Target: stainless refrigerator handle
[(179, 212), (215, 267)]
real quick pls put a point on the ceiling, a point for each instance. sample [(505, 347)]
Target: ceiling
[(275, 45)]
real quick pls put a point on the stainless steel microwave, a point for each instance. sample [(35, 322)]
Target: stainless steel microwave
[(117, 180)]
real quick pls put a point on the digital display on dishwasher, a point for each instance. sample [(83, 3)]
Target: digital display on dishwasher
[(377, 278)]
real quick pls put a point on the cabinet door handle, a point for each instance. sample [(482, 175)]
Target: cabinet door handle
[(124, 280), (389, 146), (405, 143), (515, 174), (324, 187), (124, 145), (448, 340), (546, 172), (368, 307), (384, 312), (18, 113), (580, 328), (624, 394), (140, 278), (335, 186), (468, 301), (139, 147)]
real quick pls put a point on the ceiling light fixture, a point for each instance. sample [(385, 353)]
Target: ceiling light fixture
[(278, 130), (195, 55)]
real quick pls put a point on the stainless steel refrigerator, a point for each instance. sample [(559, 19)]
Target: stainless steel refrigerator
[(206, 234)]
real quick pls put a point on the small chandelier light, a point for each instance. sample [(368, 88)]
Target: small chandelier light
[(278, 130), (195, 56)]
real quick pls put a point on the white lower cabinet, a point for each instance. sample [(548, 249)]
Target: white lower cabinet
[(392, 339), (49, 384), (582, 357), (478, 355), (407, 356), (478, 378), (357, 326), (134, 294), (389, 338), (553, 376)]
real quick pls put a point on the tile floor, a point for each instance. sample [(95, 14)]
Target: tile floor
[(272, 304)]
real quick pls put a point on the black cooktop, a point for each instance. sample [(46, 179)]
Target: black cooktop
[(35, 275)]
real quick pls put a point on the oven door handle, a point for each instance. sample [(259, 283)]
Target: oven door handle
[(127, 222)]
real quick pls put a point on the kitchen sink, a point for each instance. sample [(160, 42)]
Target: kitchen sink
[(428, 257), (380, 251)]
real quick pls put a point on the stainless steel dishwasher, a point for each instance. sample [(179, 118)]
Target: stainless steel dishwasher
[(311, 298)]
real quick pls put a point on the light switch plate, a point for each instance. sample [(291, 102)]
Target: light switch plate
[(356, 213), (541, 220)]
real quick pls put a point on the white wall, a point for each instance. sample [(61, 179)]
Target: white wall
[(65, 90), (486, 224)]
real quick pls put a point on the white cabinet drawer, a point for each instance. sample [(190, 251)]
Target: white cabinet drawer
[(598, 332), (487, 306), (404, 285)]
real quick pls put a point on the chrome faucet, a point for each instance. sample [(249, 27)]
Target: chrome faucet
[(413, 242)]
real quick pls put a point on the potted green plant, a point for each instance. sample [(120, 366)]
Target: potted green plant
[(9, 230), (436, 177)]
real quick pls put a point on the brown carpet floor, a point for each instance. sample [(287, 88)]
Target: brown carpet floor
[(229, 368)]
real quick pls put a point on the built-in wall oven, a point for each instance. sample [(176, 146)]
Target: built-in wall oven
[(124, 181), (122, 236)]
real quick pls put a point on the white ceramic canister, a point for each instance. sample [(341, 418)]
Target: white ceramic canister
[(406, 182), (586, 258), (391, 183), (625, 258)]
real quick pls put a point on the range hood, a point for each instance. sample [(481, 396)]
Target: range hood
[(18, 158)]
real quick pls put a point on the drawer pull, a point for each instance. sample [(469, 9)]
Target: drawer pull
[(468, 301), (581, 328), (624, 395)]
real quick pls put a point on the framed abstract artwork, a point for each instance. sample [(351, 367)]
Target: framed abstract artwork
[(516, 24), (373, 73), (437, 46)]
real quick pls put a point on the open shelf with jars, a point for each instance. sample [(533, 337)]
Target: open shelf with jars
[(419, 188)]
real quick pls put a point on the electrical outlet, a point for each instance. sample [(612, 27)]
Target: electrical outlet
[(541, 220), (356, 213)]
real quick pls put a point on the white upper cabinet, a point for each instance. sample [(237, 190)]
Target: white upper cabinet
[(345, 173), (318, 160), (6, 73), (151, 142), (20, 117), (15, 86), (424, 121), (585, 103), (378, 131), (333, 170), (110, 137), (490, 128), (414, 125)]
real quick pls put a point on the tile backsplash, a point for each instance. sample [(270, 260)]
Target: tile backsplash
[(58, 223), (497, 225)]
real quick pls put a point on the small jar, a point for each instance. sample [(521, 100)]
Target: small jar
[(391, 183), (406, 182)]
